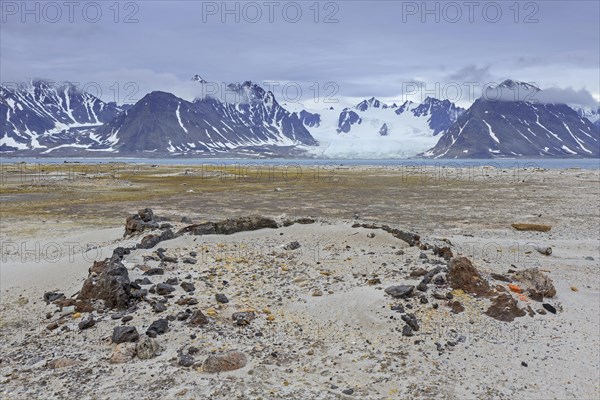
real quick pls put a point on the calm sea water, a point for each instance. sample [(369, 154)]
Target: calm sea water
[(555, 163)]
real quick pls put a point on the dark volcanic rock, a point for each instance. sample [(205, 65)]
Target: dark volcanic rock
[(206, 228), (400, 291), (188, 286), (164, 289), (185, 360), (408, 237), (242, 224), (87, 323), (407, 331), (49, 297), (153, 271), (108, 281), (221, 298), (140, 222), (158, 327), (150, 241), (549, 307), (411, 320), (122, 334), (159, 307)]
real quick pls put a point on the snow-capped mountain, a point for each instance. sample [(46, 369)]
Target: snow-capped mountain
[(518, 128), (60, 120), (374, 129), (163, 123), (34, 115), (591, 113)]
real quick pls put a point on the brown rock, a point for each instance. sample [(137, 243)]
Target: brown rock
[(110, 285), (463, 275), (123, 352), (504, 308), (443, 252), (456, 307), (225, 362), (198, 319), (532, 227)]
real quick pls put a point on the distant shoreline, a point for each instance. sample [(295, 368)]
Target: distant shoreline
[(547, 163)]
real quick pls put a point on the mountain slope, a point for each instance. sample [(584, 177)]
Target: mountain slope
[(30, 115), (518, 129), (161, 122)]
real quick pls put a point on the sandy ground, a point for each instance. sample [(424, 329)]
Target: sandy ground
[(346, 342)]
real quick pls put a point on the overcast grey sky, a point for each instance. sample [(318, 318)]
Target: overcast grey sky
[(367, 48)]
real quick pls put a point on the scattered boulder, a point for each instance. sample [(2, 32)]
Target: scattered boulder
[(49, 297), (463, 275), (221, 298), (411, 320), (410, 238), (224, 362), (159, 307), (504, 308), (549, 307), (122, 334), (122, 353), (243, 317), (302, 221), (149, 241), (532, 227), (500, 277), (147, 348), (205, 228), (251, 223), (108, 281), (63, 363), (87, 323), (151, 272), (443, 252), (456, 307), (187, 286), (400, 291), (139, 222), (158, 327), (164, 289), (534, 279), (292, 246), (185, 360), (198, 318)]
